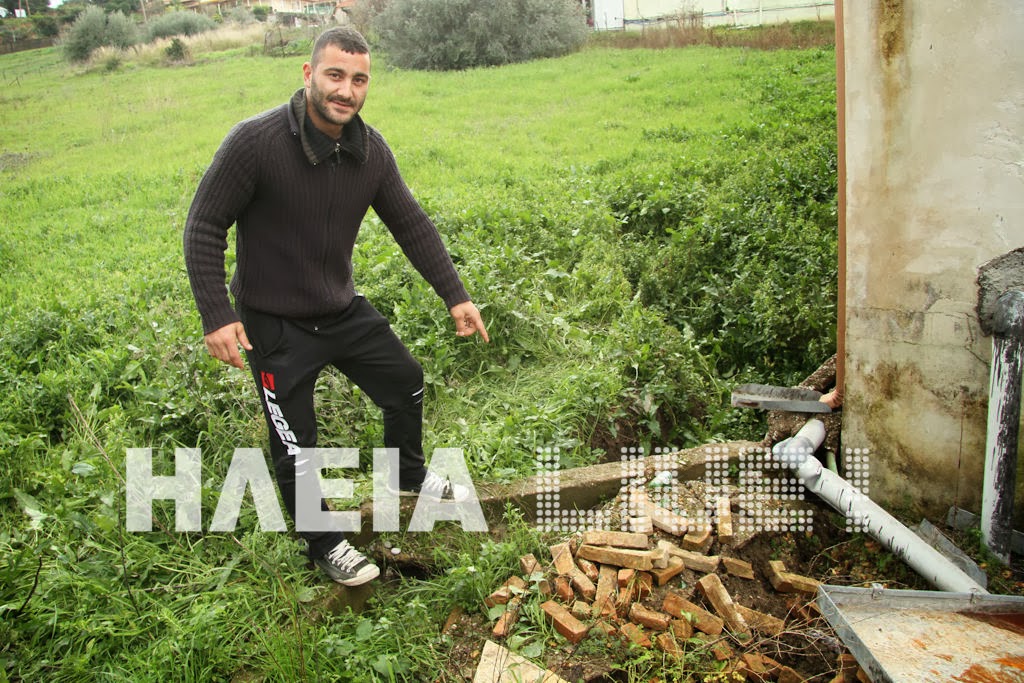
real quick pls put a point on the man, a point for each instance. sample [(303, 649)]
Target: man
[(297, 181)]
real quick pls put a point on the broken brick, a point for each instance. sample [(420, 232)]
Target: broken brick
[(583, 584), (624, 599), (699, 540), (641, 525), (787, 582), (505, 592), (682, 629), (704, 621), (659, 556), (508, 618), (723, 516), (667, 644), (665, 519), (635, 559), (618, 539), (723, 603), (674, 568), (737, 567), (580, 609), (635, 634), (625, 576), (644, 582), (563, 590), (761, 622), (647, 617), (696, 561), (607, 583), (561, 555), (588, 568), (571, 628), (528, 564), (721, 650)]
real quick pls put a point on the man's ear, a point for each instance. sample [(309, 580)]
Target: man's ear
[(307, 73)]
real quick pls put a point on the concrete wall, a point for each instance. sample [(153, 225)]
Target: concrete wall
[(613, 13), (934, 109)]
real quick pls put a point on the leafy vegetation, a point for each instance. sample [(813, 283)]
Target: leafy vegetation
[(634, 255), (94, 28), (179, 23), (461, 34)]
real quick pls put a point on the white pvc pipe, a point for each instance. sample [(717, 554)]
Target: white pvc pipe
[(797, 453)]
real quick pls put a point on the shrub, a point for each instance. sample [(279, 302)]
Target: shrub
[(241, 15), (180, 24), (260, 12), (176, 51), (94, 28), (45, 25), (460, 34)]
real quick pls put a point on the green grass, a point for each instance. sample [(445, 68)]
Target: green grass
[(641, 229)]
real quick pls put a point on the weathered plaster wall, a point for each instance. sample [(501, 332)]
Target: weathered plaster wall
[(934, 108)]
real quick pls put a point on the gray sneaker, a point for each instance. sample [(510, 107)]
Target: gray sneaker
[(347, 566), (436, 488)]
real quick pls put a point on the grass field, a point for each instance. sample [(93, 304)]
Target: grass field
[(641, 229)]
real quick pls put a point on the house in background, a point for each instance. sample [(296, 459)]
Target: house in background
[(318, 7), (620, 14)]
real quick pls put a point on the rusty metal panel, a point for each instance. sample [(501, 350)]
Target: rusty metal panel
[(929, 636)]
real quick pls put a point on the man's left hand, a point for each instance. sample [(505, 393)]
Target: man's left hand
[(468, 320)]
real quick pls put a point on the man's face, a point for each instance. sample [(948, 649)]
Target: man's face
[(336, 88)]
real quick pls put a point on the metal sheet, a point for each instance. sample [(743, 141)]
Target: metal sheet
[(926, 636)]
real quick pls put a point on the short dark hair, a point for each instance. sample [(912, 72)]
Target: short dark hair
[(344, 38)]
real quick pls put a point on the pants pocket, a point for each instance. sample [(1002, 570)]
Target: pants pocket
[(265, 332)]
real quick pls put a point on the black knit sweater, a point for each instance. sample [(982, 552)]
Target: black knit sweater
[(297, 199)]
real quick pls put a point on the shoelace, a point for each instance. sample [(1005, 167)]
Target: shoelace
[(344, 556), (436, 483)]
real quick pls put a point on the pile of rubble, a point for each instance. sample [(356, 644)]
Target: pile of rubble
[(605, 581)]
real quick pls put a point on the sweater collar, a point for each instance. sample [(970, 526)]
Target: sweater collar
[(316, 144)]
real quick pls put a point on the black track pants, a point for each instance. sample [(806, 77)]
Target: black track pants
[(286, 359)]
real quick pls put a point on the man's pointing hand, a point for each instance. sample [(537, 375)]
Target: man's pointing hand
[(468, 320), (223, 344)]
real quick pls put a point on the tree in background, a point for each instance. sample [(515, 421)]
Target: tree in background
[(31, 6), (125, 7), (460, 34), (95, 28)]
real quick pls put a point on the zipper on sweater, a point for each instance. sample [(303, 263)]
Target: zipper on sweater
[(325, 265)]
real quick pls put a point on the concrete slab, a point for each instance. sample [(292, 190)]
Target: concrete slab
[(498, 665), (581, 488)]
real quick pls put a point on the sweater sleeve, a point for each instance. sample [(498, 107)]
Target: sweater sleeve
[(224, 191), (415, 233)]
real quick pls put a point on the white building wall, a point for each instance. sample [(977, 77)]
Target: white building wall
[(934, 108), (715, 12)]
